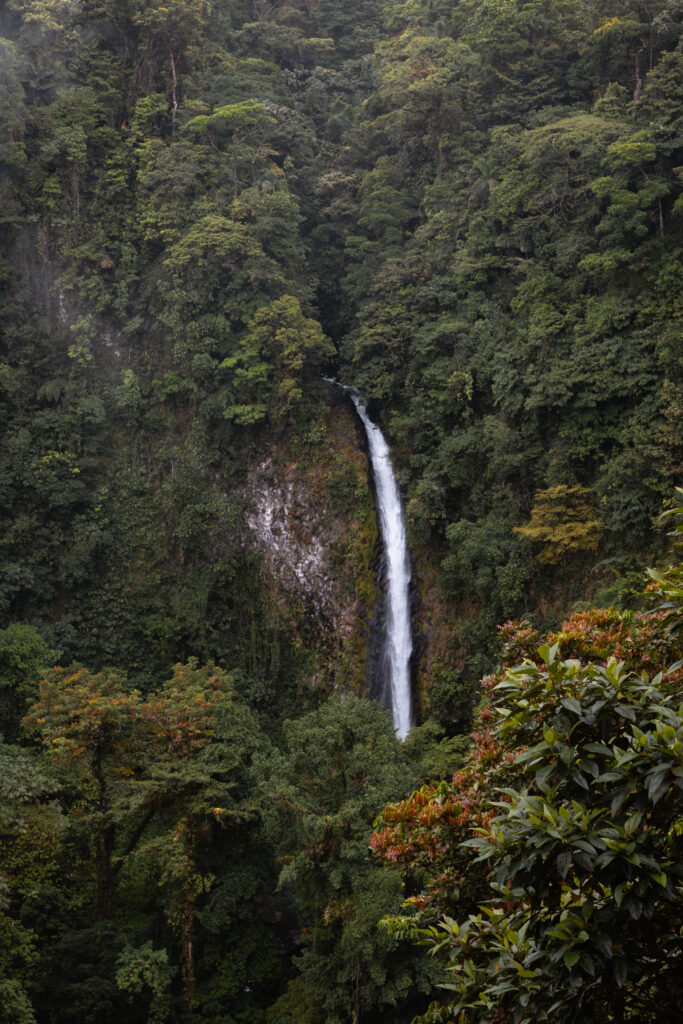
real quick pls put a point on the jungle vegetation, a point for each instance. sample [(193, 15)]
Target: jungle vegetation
[(471, 210)]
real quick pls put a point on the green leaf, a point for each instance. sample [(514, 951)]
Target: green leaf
[(564, 862), (620, 971), (658, 784), (619, 798)]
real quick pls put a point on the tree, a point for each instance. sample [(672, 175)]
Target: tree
[(320, 791), (17, 956), (563, 521), (220, 273), (168, 33), (281, 352), (24, 654), (240, 126), (585, 887), (148, 780)]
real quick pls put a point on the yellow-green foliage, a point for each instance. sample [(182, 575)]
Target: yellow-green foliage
[(564, 522)]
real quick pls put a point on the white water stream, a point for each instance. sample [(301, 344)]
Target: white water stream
[(398, 639)]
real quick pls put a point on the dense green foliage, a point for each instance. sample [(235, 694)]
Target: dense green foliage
[(477, 202), (470, 209)]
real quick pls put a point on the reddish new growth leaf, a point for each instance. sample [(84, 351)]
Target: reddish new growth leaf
[(425, 831), (636, 638)]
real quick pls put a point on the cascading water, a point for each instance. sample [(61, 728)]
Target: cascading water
[(398, 640)]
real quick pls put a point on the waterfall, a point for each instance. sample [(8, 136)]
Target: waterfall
[(398, 641)]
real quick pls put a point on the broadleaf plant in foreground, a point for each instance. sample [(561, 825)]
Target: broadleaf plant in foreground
[(577, 858)]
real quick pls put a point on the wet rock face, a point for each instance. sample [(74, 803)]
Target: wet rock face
[(295, 531), (311, 515)]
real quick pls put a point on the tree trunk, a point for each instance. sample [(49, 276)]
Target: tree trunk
[(190, 900), (76, 192), (174, 94), (104, 841), (639, 81)]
